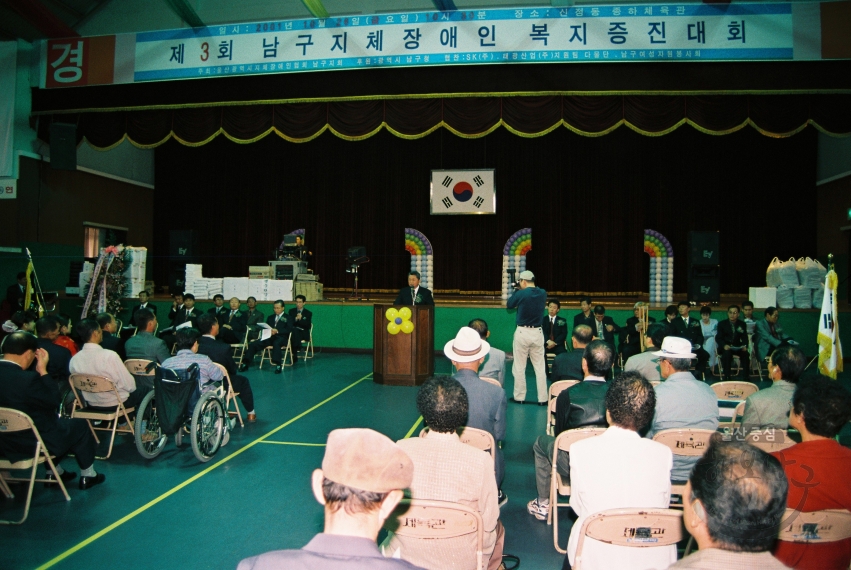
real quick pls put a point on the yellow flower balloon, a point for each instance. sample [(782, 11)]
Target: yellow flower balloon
[(393, 328), (391, 314), (407, 327), (405, 313)]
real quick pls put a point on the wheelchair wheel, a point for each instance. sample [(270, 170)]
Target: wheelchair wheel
[(150, 439), (208, 426)]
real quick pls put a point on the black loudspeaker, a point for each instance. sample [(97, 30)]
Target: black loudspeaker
[(704, 248), (176, 277), (63, 146), (184, 245), (704, 284)]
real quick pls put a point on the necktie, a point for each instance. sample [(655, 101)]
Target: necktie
[(414, 296), (773, 331), (231, 316), (599, 329), (552, 324)]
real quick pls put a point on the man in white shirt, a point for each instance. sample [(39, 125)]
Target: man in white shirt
[(95, 360), (620, 469)]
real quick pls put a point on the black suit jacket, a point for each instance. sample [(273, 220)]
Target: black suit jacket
[(59, 360), (35, 395), (692, 331), (631, 336), (304, 322), (405, 297), (172, 312), (568, 365), (284, 326), (150, 306), (608, 336), (114, 343), (15, 296), (237, 323), (221, 315), (581, 319), (181, 317), (734, 336), (219, 352), (559, 333)]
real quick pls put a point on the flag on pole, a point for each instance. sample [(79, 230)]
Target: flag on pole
[(27, 296), (829, 347)]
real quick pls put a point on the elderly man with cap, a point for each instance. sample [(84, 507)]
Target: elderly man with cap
[(360, 483), (529, 301), (682, 401), (487, 403)]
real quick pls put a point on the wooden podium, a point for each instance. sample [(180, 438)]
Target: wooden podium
[(403, 359)]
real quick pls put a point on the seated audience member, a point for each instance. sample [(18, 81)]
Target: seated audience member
[(176, 306), (143, 304), (732, 340), (568, 365), (817, 469), (620, 470), (768, 335), (300, 319), (670, 317), (494, 365), (487, 402), (21, 321), (232, 326), (186, 313), (689, 328), (60, 358), (252, 318), (709, 328), (581, 405), (218, 309), (111, 339), (144, 344), (447, 470), (95, 360), (770, 407), (631, 333), (647, 363), (361, 481), (682, 401), (554, 328), (187, 355), (747, 316), (34, 393), (586, 317), (17, 292), (733, 507), (64, 338), (604, 327), (222, 353), (281, 329)]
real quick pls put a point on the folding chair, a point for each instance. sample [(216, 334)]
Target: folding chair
[(734, 390), (267, 354), (230, 398), (493, 381), (736, 419), (688, 442), (560, 485), (240, 348), (736, 364), (556, 388), (551, 356), (12, 421), (309, 347), (815, 527), (414, 519), (641, 528), (478, 438), (770, 440), (96, 385)]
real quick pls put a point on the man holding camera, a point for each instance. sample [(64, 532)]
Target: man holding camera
[(529, 301)]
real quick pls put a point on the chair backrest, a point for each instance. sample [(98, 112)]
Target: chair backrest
[(14, 420), (491, 380), (568, 437), (734, 390), (770, 440), (91, 383), (435, 520), (138, 367), (478, 438), (223, 369), (815, 527), (559, 386), (690, 442), (641, 528)]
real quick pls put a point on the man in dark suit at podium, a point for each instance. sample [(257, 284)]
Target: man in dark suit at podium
[(413, 294)]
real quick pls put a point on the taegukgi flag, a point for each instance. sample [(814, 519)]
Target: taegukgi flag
[(829, 347), (463, 192)]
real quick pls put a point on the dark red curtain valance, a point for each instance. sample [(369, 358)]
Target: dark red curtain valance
[(471, 117)]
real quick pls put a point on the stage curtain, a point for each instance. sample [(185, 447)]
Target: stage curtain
[(468, 117)]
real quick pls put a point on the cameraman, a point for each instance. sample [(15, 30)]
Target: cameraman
[(529, 301)]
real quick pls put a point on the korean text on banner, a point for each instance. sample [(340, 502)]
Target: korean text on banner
[(829, 347)]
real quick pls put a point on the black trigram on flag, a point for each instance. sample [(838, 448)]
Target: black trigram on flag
[(479, 201), (447, 181)]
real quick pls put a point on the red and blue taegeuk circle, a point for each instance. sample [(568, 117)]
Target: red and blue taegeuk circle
[(462, 191)]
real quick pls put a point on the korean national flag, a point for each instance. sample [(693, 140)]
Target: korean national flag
[(463, 192)]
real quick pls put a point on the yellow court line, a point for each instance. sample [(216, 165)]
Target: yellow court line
[(294, 443), (413, 427), (192, 479)]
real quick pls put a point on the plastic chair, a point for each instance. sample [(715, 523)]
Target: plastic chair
[(432, 521), (815, 527), (12, 421), (556, 388), (230, 397), (734, 390), (95, 385), (560, 485), (639, 528), (688, 442)]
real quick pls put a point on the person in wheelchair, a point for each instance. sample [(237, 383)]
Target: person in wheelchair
[(187, 354)]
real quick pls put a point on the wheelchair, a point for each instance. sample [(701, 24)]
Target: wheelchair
[(163, 413)]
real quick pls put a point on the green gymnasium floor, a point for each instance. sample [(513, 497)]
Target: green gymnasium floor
[(254, 496)]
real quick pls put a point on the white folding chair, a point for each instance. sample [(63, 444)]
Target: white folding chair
[(309, 347), (240, 348), (736, 420), (14, 421), (556, 388), (733, 390), (478, 438), (688, 442), (815, 527), (267, 354), (230, 398), (98, 385), (560, 485), (641, 528)]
